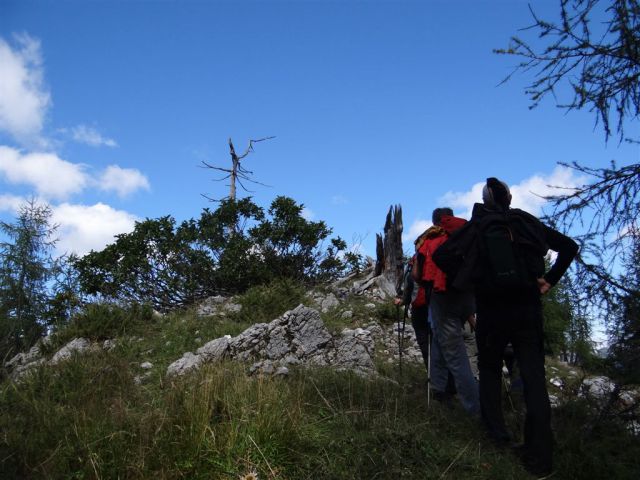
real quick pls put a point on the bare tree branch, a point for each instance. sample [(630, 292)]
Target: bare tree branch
[(237, 173)]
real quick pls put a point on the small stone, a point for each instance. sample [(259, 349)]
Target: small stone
[(370, 306), (347, 314), (146, 365), (198, 340), (556, 382)]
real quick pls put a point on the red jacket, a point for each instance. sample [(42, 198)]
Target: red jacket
[(435, 237)]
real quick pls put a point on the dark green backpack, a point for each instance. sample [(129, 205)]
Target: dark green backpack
[(512, 247)]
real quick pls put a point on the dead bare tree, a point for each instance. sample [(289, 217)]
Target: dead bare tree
[(237, 173)]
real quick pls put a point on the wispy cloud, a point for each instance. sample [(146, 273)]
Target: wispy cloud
[(339, 200), (90, 136), (51, 176), (24, 99), (308, 214), (11, 203), (123, 181)]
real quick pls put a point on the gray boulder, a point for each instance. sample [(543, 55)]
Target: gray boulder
[(77, 345), (297, 337), (183, 365)]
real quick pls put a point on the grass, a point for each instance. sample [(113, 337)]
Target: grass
[(88, 418)]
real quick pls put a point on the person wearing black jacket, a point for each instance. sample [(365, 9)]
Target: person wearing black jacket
[(509, 314)]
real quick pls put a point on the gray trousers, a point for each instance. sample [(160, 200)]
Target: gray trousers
[(449, 311)]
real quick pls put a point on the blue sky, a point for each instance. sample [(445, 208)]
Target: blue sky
[(108, 108)]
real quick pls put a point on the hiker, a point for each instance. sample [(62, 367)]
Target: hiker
[(450, 308), (501, 252), (414, 298)]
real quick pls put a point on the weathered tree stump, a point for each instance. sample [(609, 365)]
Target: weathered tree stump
[(389, 255)]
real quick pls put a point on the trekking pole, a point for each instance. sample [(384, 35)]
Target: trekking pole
[(507, 388), (399, 338), (429, 335)]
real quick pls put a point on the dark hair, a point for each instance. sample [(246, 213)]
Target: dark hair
[(496, 192), (438, 213)]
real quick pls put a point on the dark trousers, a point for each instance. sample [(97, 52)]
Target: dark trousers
[(420, 324), (498, 323)]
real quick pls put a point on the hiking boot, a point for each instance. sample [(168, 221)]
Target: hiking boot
[(534, 466), (444, 398)]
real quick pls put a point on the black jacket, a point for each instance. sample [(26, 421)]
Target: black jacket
[(460, 257)]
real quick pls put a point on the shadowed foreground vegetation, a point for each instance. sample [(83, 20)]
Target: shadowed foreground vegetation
[(89, 418)]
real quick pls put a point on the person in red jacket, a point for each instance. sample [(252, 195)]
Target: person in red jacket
[(450, 309)]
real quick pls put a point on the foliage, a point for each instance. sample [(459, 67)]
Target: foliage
[(263, 303), (100, 321), (625, 358), (88, 418), (227, 250), (155, 263), (598, 63), (26, 267), (600, 60), (567, 331)]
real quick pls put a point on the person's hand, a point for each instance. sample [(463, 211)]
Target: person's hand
[(397, 301), (472, 321), (544, 286)]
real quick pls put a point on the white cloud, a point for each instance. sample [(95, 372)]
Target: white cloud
[(123, 181), (527, 195), (416, 229), (24, 100), (90, 136), (51, 176), (89, 227), (11, 203), (308, 214)]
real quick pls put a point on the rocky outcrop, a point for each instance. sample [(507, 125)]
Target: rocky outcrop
[(217, 305), (22, 363), (300, 337)]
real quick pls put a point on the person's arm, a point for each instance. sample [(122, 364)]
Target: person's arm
[(418, 265), (566, 248)]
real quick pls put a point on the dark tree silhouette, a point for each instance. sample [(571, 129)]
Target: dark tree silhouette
[(592, 55)]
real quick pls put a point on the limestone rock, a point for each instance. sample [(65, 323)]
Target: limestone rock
[(329, 303), (188, 362), (298, 337), (77, 345), (597, 388), (215, 349)]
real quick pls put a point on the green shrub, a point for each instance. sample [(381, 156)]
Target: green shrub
[(99, 321), (266, 302)]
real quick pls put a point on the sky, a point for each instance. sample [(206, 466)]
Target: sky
[(107, 110)]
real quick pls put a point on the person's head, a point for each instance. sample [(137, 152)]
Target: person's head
[(496, 194), (438, 213)]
